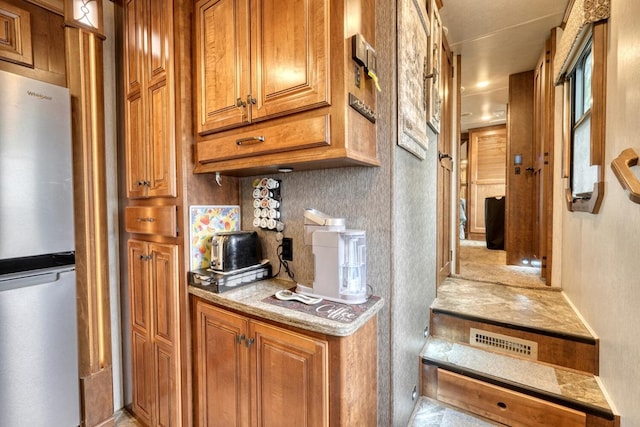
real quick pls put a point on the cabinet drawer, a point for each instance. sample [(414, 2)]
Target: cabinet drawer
[(289, 135), (159, 220), (502, 405)]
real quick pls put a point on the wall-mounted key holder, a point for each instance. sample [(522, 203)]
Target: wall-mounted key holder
[(266, 204)]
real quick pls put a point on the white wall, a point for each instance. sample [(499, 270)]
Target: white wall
[(601, 253)]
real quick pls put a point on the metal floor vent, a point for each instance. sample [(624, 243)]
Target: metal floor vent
[(503, 343)]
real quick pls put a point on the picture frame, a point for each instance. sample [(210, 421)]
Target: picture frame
[(434, 83), (413, 66), (204, 222)]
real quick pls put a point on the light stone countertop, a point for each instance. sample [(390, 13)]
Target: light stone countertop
[(248, 299)]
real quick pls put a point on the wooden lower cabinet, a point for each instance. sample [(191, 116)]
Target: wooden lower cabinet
[(252, 373), (153, 287)]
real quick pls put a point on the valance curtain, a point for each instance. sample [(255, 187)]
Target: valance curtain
[(583, 13)]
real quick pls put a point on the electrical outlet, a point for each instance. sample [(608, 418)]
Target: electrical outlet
[(287, 248)]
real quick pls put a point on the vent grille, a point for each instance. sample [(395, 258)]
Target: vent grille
[(503, 343)]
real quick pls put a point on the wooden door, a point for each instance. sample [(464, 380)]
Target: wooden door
[(290, 385), (289, 56), (222, 64), (445, 168), (487, 173), (221, 368), (142, 380), (163, 285), (542, 164)]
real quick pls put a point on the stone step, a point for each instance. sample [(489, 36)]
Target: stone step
[(569, 388), (431, 413), (512, 319)]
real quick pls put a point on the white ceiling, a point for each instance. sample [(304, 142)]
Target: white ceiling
[(496, 38)]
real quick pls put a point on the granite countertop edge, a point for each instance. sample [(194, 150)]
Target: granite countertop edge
[(248, 299)]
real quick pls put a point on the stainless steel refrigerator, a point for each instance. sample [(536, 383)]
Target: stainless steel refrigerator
[(39, 383)]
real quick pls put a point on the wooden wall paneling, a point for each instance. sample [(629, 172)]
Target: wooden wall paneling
[(519, 212)]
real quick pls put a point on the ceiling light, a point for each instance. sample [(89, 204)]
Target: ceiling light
[(486, 118), (482, 84)]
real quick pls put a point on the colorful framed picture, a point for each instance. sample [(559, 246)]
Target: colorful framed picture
[(204, 221)]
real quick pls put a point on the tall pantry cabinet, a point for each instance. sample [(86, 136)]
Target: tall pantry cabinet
[(159, 186)]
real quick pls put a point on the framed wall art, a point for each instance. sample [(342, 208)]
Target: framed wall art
[(413, 67), (434, 83)]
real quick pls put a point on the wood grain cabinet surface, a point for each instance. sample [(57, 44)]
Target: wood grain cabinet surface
[(153, 284), (273, 84), (149, 104), (253, 372)]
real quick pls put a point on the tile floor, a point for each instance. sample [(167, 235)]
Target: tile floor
[(124, 419)]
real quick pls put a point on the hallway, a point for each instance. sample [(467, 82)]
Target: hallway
[(487, 265)]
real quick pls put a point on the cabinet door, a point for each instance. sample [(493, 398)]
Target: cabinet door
[(136, 175), (134, 108), (289, 378), (142, 380), (289, 56), (160, 102), (222, 371), (163, 284), (161, 151), (222, 64), (149, 106)]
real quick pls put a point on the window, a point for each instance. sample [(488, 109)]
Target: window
[(585, 131)]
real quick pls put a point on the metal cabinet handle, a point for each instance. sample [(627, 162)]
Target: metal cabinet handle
[(240, 338), (444, 156), (250, 140), (249, 342), (240, 103)]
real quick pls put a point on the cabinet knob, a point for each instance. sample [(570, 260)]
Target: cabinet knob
[(240, 103), (240, 338), (251, 100), (249, 342)]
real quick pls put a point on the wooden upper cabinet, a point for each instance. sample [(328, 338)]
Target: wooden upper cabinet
[(222, 63), (290, 56), (277, 85), (149, 109), (259, 59)]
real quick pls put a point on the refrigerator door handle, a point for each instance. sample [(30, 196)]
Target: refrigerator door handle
[(31, 280)]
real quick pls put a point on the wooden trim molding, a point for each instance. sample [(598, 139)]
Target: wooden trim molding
[(85, 82), (15, 35)]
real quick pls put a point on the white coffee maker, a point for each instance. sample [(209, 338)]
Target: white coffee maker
[(339, 259)]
